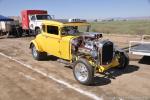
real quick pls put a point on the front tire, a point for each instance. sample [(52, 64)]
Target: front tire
[(36, 54), (123, 60), (83, 72)]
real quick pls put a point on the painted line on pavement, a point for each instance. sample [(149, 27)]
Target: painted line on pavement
[(84, 92)]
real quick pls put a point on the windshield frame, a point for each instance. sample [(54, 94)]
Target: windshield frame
[(87, 29), (45, 15)]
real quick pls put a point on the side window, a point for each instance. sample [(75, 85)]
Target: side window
[(43, 28), (52, 30), (33, 18)]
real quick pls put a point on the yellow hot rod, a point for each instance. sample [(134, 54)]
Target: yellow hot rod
[(87, 52)]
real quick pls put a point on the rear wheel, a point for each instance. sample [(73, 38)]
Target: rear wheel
[(36, 54), (123, 60), (37, 31), (18, 32), (83, 72)]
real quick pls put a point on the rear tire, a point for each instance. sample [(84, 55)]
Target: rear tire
[(36, 54), (37, 31), (123, 60), (83, 72), (18, 32)]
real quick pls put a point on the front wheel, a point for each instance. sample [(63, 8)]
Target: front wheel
[(83, 72), (123, 60)]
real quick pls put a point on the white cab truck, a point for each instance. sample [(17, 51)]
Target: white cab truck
[(32, 20)]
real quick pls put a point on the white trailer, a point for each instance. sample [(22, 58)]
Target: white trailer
[(140, 47), (8, 28), (5, 26)]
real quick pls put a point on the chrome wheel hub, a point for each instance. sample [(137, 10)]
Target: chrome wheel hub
[(34, 52), (81, 72)]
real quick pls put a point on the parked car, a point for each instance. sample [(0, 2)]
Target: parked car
[(87, 52)]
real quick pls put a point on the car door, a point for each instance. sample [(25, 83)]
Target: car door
[(32, 22), (52, 40)]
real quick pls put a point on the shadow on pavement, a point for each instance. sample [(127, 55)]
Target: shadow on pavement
[(100, 81), (145, 60), (50, 58), (112, 74), (105, 77)]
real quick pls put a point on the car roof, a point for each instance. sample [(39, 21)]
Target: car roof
[(63, 23)]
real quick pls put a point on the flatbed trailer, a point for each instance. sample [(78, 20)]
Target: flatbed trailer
[(9, 27), (140, 47)]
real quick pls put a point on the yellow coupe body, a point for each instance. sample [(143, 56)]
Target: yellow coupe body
[(56, 44), (88, 53)]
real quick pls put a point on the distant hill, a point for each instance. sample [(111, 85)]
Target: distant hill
[(121, 18), (137, 18)]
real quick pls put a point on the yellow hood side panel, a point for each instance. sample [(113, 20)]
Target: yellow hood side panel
[(114, 63), (65, 47)]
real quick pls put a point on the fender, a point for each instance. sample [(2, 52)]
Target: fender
[(33, 42), (121, 51)]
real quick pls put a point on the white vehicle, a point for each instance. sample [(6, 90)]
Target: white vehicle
[(35, 22), (140, 47), (32, 20), (9, 27)]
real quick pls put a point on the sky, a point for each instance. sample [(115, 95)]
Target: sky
[(86, 9)]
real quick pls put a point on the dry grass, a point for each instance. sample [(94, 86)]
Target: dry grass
[(136, 27)]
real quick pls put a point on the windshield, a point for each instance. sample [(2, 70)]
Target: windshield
[(43, 17), (74, 30)]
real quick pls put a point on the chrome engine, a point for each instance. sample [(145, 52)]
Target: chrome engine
[(92, 44)]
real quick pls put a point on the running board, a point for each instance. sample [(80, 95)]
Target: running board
[(67, 63)]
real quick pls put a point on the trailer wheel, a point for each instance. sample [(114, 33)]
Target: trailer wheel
[(36, 54), (83, 72), (123, 60), (19, 32)]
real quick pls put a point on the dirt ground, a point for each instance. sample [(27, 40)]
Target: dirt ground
[(23, 78)]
